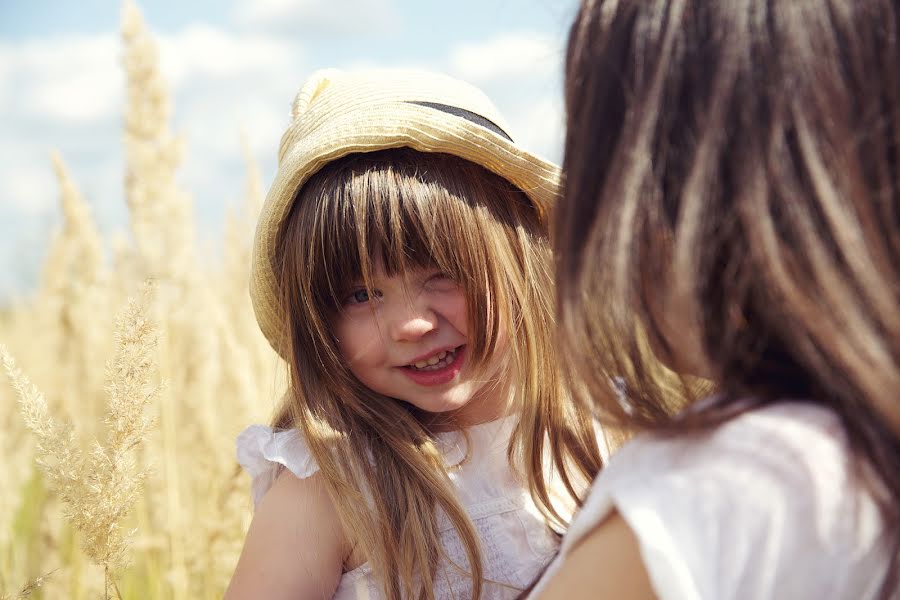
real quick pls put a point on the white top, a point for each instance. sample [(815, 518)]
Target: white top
[(762, 507), (516, 542)]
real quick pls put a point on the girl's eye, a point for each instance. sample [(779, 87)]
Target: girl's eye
[(361, 296), (442, 282)]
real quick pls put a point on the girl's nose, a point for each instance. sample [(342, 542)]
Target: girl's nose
[(411, 322)]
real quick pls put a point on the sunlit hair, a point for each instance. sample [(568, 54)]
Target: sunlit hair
[(407, 210), (736, 164)]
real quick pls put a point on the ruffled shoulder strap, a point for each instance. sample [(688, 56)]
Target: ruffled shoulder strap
[(263, 452)]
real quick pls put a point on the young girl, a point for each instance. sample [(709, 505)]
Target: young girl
[(402, 268), (733, 192)]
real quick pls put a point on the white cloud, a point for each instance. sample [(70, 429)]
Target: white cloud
[(315, 16), (68, 79), (204, 51), (507, 56)]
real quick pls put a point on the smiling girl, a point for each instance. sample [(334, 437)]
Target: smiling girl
[(402, 268)]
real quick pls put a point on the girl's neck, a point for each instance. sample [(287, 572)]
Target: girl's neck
[(492, 402)]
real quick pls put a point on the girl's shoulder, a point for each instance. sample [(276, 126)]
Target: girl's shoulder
[(790, 445), (765, 504), (265, 452), (796, 433), (292, 507)]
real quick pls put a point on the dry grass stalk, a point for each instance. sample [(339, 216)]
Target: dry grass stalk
[(28, 588), (75, 294), (84, 246), (160, 211), (99, 487), (244, 343)]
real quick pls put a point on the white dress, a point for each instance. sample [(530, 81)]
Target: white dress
[(765, 506), (516, 543)]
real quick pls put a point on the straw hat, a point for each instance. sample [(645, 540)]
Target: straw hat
[(339, 113)]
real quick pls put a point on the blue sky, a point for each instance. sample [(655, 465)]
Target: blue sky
[(232, 66)]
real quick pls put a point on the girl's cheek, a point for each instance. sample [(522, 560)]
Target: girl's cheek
[(457, 313)]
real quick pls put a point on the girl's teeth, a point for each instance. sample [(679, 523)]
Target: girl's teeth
[(438, 361)]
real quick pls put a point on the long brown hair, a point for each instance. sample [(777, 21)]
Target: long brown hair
[(410, 209), (737, 163)]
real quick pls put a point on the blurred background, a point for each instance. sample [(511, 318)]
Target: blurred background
[(232, 68), (136, 144)]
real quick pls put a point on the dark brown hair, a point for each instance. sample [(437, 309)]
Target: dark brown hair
[(736, 163)]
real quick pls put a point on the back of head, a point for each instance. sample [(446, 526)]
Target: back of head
[(732, 184)]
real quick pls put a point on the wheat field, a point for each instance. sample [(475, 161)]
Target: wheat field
[(128, 374)]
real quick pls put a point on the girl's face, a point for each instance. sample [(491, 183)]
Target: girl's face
[(408, 341)]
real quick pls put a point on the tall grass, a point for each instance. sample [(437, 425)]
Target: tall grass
[(114, 484)]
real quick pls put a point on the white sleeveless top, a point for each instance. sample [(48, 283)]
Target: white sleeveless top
[(764, 506), (516, 542)]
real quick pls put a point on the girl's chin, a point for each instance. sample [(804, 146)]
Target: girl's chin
[(441, 408)]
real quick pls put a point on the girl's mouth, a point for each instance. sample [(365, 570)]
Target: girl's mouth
[(438, 369)]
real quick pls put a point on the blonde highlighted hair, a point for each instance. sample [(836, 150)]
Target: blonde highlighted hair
[(409, 209)]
